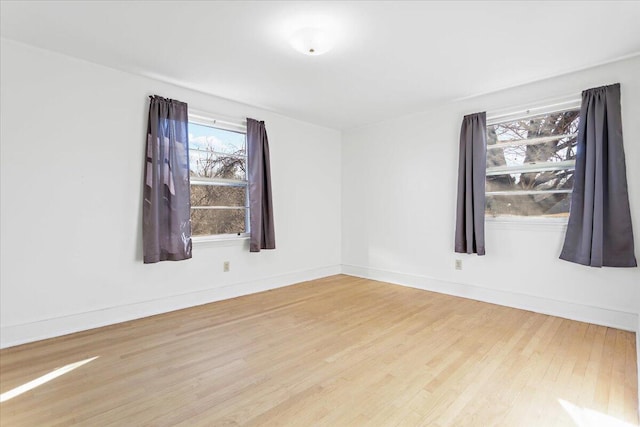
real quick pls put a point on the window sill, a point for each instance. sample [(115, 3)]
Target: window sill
[(527, 224), (226, 240)]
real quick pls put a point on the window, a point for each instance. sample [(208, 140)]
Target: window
[(530, 164), (218, 174)]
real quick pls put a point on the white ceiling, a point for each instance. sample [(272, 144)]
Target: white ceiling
[(390, 58)]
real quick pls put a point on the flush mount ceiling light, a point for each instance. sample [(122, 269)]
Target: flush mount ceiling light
[(311, 41)]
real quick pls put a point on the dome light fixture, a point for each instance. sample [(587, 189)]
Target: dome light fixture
[(311, 41)]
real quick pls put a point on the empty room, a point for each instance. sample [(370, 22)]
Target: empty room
[(331, 213)]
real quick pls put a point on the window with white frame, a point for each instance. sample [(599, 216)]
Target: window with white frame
[(530, 163), (218, 174)]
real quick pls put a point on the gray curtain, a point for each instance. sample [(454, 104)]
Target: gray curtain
[(471, 183), (262, 234), (166, 225), (599, 232)]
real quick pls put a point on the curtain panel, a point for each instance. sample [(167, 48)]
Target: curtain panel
[(262, 233), (472, 163), (166, 225), (599, 231)]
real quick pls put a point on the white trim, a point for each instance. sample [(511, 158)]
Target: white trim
[(219, 121), (531, 167), (525, 142), (232, 207), (218, 181), (526, 192), (496, 117), (528, 223), (12, 335), (627, 321), (219, 239), (220, 153)]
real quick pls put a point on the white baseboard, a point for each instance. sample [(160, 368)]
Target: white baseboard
[(13, 335), (600, 316), (638, 359)]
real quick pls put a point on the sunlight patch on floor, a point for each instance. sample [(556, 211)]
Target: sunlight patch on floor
[(584, 417), (43, 379)]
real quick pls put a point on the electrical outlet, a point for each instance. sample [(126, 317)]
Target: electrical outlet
[(458, 264), (226, 266)]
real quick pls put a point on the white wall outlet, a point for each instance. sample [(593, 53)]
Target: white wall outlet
[(458, 264), (226, 266)]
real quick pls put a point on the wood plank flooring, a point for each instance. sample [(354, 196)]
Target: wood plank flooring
[(339, 351)]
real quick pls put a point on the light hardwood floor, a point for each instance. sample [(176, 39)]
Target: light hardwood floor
[(339, 351)]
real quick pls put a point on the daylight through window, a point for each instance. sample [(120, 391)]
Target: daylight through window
[(218, 174), (530, 165)]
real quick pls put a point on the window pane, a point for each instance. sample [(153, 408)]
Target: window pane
[(535, 142), (564, 123), (531, 181), (206, 164), (549, 205), (216, 195), (206, 222), (553, 151), (220, 140), (217, 153)]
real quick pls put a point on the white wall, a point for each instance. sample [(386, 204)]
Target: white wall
[(72, 140), (398, 200), (72, 146)]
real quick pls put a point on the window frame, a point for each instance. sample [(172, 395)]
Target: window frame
[(231, 125), (558, 105)]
